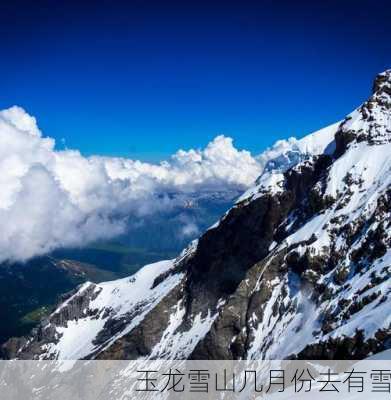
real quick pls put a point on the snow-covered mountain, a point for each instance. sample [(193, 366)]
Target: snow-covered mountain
[(299, 267)]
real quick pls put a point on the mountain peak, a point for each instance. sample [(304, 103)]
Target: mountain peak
[(382, 82), (371, 122), (381, 96), (299, 267)]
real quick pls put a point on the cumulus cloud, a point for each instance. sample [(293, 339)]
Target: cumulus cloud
[(52, 199)]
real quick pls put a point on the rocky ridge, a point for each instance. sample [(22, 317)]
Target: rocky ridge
[(299, 268)]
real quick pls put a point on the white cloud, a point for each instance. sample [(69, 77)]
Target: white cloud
[(190, 229), (51, 199)]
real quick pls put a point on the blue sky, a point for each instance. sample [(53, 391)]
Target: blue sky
[(143, 78)]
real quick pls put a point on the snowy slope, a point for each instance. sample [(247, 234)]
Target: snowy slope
[(271, 180), (124, 301), (299, 267), (357, 188)]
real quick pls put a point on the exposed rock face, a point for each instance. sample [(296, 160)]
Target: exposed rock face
[(299, 268)]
